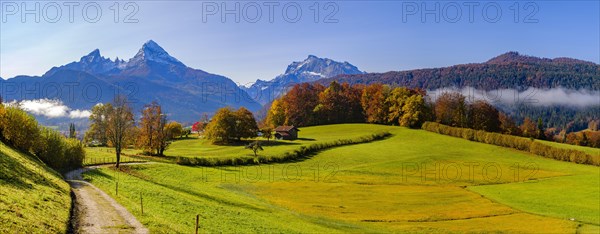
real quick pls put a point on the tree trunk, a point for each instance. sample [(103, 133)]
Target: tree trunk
[(118, 157)]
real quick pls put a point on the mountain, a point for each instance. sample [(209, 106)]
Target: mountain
[(311, 69), (151, 75), (507, 71), (515, 57)]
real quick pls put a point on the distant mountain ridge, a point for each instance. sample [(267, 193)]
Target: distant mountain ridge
[(311, 69), (151, 75), (507, 71), (515, 57)]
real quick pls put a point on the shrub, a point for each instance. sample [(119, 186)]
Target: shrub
[(57, 151), (21, 130)]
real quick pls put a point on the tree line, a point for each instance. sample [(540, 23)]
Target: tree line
[(314, 104), (21, 131)]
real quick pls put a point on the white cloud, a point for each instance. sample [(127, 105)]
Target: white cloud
[(79, 114), (51, 109), (531, 96)]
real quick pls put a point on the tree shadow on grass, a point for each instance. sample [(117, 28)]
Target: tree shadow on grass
[(262, 142), (99, 173), (306, 139), (278, 142), (13, 173)]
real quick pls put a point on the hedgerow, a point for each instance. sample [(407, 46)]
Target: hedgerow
[(515, 142)]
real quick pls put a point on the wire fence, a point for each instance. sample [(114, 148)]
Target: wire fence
[(110, 160)]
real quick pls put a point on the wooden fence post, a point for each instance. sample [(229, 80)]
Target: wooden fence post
[(142, 203), (197, 221)]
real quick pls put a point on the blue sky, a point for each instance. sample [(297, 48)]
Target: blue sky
[(376, 36)]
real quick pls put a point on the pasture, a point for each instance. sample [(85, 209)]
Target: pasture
[(414, 181), (104, 155), (589, 150), (199, 147), (33, 196)]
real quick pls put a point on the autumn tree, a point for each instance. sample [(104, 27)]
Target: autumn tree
[(299, 103), (374, 104), (413, 112), (221, 127), (151, 130), (173, 129), (395, 102), (276, 114), (483, 116), (529, 128), (339, 104), (352, 107), (450, 109), (245, 124), (163, 139), (227, 125), (507, 125), (119, 121)]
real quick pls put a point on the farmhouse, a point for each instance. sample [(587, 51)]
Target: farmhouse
[(286, 133)]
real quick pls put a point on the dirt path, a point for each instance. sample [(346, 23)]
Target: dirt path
[(96, 212)]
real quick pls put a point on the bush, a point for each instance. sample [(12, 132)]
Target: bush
[(21, 130), (515, 142), (302, 152), (58, 152)]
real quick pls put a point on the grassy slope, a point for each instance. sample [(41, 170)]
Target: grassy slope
[(103, 155), (34, 198), (588, 150), (369, 187), (194, 147)]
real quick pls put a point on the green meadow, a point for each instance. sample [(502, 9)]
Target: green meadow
[(104, 155), (199, 147), (33, 197), (414, 181), (589, 150)]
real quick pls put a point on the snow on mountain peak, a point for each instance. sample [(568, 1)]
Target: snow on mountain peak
[(92, 57), (151, 51), (324, 67), (310, 69)]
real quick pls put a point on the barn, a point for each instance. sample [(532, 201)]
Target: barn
[(286, 133)]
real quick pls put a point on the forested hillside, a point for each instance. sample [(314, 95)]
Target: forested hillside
[(507, 71)]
